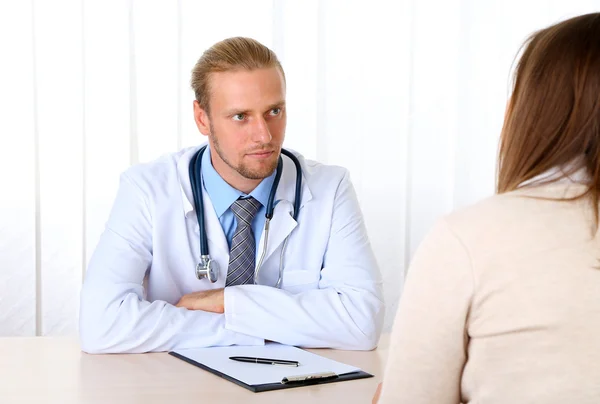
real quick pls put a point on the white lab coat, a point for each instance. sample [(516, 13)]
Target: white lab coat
[(331, 292)]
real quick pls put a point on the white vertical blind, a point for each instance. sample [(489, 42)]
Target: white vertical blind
[(299, 55), (154, 74), (408, 95), (107, 105), (59, 105), (18, 186)]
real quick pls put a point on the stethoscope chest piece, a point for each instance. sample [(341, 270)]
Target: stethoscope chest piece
[(208, 269)]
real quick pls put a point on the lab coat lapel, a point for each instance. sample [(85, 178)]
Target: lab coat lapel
[(217, 243), (281, 226), (283, 222)]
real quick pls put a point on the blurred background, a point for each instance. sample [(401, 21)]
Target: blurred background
[(409, 95)]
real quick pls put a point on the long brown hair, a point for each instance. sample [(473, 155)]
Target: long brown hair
[(553, 117)]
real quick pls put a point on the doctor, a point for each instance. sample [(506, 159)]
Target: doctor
[(310, 281)]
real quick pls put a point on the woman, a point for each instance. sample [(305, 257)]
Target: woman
[(502, 300)]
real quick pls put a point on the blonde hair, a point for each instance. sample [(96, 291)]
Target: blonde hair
[(231, 54)]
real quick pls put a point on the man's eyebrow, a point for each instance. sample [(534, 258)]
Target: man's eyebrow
[(277, 105), (235, 111)]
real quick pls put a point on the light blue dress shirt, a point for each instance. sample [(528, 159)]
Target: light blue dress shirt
[(222, 195)]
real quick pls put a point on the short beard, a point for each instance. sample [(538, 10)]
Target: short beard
[(241, 169)]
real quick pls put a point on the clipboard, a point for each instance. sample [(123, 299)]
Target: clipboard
[(293, 381)]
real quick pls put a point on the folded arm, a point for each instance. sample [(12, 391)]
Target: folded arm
[(114, 315), (345, 312)]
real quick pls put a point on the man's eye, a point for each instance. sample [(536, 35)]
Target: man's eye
[(275, 111), (239, 117)]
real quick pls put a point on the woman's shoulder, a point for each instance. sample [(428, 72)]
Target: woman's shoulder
[(527, 201), (531, 213)]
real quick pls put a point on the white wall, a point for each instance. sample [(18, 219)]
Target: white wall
[(409, 95)]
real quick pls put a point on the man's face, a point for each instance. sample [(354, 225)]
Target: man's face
[(246, 124)]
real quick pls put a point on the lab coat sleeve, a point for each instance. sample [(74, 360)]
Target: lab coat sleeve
[(114, 317), (345, 311)]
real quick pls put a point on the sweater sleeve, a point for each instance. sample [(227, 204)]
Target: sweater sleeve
[(429, 339)]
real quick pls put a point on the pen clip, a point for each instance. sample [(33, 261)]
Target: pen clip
[(285, 363), (313, 377)]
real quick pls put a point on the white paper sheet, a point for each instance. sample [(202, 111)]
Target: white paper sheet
[(217, 358)]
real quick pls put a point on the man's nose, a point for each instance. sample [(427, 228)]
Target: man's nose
[(260, 131)]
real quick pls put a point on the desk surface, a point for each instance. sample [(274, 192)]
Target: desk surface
[(54, 370)]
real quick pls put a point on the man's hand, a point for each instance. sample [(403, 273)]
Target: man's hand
[(377, 394), (208, 300)]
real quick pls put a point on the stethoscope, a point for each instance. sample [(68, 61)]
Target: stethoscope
[(208, 268)]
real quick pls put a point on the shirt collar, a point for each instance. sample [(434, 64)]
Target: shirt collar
[(567, 173), (222, 195)]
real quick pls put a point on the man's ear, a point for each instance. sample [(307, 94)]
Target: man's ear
[(201, 118)]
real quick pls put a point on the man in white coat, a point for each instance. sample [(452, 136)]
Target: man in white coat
[(320, 288)]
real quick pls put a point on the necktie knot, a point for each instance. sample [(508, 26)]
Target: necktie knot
[(245, 210)]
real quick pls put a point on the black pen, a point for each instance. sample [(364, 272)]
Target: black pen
[(264, 361)]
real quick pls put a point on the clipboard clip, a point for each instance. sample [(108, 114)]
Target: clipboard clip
[(313, 377)]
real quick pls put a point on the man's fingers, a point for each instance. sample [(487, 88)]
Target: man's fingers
[(377, 394)]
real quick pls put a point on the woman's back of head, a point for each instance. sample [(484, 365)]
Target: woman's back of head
[(553, 117)]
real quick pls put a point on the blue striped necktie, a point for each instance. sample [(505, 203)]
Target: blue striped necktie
[(242, 253)]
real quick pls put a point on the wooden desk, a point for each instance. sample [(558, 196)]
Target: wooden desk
[(54, 370)]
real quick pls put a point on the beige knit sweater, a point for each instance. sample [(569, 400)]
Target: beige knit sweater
[(502, 305)]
